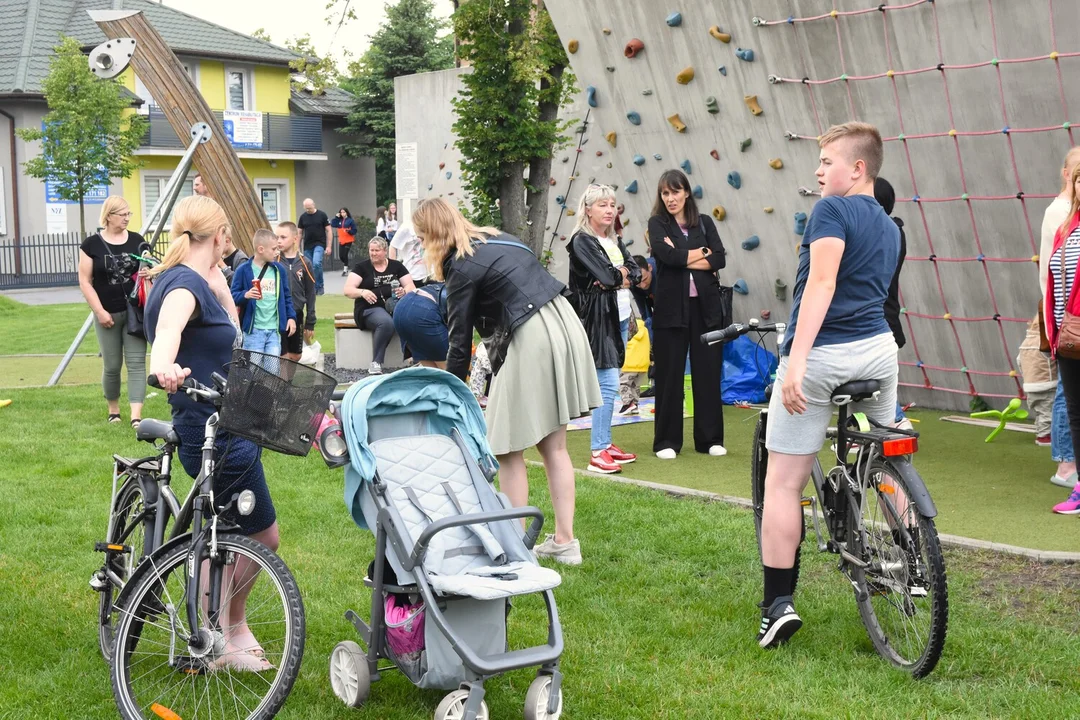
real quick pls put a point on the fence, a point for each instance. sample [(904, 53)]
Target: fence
[(40, 261)]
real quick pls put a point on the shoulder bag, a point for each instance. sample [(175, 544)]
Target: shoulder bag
[(1068, 341)]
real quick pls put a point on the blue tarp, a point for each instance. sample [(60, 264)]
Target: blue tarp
[(748, 368)]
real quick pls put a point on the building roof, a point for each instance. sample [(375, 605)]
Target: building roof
[(334, 101), (36, 25)]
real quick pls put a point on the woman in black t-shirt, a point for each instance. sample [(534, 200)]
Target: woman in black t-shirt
[(370, 284), (106, 277)]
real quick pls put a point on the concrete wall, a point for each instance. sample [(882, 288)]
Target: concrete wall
[(424, 114), (872, 43), (338, 181)]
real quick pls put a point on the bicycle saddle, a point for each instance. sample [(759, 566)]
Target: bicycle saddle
[(855, 391), (151, 430)]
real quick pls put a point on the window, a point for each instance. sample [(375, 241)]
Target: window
[(153, 185), (238, 89), (142, 92)]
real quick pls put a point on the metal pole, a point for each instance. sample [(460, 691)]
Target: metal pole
[(200, 133)]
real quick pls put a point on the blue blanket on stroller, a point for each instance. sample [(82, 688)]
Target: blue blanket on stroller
[(434, 401)]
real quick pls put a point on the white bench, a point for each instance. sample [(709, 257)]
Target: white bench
[(354, 347)]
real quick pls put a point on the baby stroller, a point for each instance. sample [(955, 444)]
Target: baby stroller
[(449, 550)]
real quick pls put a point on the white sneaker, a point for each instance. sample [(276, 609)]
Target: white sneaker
[(904, 424), (666, 454), (718, 451), (374, 369), (565, 553)]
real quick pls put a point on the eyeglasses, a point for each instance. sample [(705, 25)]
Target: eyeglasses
[(123, 215)]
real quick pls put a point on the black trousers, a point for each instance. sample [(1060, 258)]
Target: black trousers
[(706, 364), (343, 253), (1069, 371)]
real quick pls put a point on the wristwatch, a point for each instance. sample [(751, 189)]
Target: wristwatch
[(705, 251)]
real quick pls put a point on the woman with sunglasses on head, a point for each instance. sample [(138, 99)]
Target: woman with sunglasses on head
[(107, 273), (688, 253)]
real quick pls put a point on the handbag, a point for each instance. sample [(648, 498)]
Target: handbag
[(1044, 342), (1068, 341), (133, 325), (637, 350)]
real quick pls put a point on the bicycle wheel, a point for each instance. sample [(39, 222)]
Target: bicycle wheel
[(130, 524), (906, 604), (759, 465), (155, 674)]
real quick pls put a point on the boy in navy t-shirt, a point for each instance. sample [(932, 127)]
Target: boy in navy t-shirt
[(838, 333)]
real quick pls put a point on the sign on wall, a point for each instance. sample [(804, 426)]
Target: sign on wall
[(407, 179), (244, 128), (95, 195), (56, 218)]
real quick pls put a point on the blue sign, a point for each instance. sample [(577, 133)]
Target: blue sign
[(243, 128), (95, 195)]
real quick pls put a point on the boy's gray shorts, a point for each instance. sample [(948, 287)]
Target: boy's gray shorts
[(827, 368)]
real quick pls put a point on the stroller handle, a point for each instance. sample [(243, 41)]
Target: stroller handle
[(420, 549)]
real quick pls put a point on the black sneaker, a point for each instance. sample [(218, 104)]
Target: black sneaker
[(778, 623)]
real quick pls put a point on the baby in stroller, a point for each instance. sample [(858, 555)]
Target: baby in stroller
[(450, 551)]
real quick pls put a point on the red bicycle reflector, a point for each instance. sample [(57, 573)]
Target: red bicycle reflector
[(899, 446), (163, 712)]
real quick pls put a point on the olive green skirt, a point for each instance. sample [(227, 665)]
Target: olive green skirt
[(547, 380)]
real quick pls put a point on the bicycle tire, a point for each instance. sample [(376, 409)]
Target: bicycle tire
[(759, 466), (896, 592), (127, 526), (158, 588)]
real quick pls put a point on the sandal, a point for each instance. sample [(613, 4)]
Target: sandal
[(249, 644), (240, 661), (114, 417), (135, 422)]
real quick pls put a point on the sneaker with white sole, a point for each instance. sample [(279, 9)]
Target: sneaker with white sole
[(666, 454), (1070, 506), (718, 451), (1065, 482), (374, 369), (602, 462), (778, 622), (565, 553)]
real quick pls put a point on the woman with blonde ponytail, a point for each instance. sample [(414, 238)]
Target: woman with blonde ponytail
[(191, 320)]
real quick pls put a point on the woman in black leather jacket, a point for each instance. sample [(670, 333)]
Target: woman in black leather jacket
[(688, 253), (601, 273), (544, 373)]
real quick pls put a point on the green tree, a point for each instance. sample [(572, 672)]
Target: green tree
[(406, 44), (310, 71), (508, 126), (88, 136)]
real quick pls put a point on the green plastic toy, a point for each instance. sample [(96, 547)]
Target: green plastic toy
[(1012, 411)]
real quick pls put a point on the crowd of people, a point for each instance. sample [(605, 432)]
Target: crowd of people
[(560, 351)]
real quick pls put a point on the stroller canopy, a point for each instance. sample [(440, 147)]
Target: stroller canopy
[(413, 401)]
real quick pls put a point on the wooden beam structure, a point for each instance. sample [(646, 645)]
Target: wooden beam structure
[(175, 92)]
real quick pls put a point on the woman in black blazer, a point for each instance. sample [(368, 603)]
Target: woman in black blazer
[(688, 253)]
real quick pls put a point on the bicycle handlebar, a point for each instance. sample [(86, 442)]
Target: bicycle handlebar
[(737, 329), (192, 387)]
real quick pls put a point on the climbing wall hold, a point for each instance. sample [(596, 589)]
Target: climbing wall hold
[(633, 47), (766, 314), (685, 165), (565, 159), (442, 165), (625, 222), (599, 153), (745, 54), (677, 123), (723, 70), (780, 289), (776, 163), (745, 144), (751, 242), (449, 174), (800, 223), (734, 179), (685, 75), (610, 68), (590, 94), (633, 117), (552, 181), (430, 185), (768, 209), (698, 192), (646, 92), (674, 19), (657, 156), (572, 46), (628, 243), (752, 103), (632, 187), (560, 200), (609, 165), (606, 31), (740, 287), (715, 154), (571, 212), (612, 138), (719, 213), (711, 105), (639, 160), (719, 35)]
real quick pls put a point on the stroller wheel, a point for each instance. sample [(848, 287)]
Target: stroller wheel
[(536, 700), (452, 707), (349, 674)]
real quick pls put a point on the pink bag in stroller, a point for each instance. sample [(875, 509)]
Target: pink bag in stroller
[(404, 626)]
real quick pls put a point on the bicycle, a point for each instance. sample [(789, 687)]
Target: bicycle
[(168, 601), (878, 518)]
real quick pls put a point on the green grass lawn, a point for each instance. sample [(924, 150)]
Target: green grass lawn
[(659, 621)]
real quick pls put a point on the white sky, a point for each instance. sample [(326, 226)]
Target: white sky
[(284, 19)]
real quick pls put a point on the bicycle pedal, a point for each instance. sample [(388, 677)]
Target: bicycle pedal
[(98, 582), (807, 502), (111, 548)]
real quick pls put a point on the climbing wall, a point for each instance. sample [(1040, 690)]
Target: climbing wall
[(973, 99)]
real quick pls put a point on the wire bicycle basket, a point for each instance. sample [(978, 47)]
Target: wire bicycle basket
[(274, 402)]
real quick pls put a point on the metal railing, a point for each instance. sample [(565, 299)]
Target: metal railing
[(280, 132), (40, 261)]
